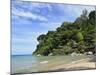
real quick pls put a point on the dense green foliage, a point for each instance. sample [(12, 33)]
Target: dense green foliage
[(79, 37)]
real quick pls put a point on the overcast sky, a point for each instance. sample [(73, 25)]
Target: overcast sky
[(31, 19)]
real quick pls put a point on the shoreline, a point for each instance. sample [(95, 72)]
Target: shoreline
[(81, 64)]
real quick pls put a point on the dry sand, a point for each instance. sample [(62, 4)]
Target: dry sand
[(76, 65)]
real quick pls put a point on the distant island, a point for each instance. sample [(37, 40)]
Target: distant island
[(72, 37)]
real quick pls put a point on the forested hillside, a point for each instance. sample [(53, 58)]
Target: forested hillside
[(79, 37)]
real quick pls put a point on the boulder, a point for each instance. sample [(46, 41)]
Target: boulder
[(50, 54), (39, 55), (90, 53)]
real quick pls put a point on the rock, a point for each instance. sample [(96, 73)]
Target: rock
[(50, 54), (90, 53), (85, 53), (39, 55), (79, 54), (74, 54)]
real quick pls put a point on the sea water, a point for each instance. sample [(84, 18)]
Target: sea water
[(30, 63)]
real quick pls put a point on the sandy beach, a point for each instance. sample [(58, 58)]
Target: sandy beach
[(82, 64)]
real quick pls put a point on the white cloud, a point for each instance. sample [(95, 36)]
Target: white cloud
[(75, 9), (42, 5), (50, 25), (71, 12), (28, 14)]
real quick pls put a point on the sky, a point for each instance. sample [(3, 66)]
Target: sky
[(31, 19)]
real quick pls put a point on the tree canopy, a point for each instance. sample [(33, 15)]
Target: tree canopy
[(79, 36)]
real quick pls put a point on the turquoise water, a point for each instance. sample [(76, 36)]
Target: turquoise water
[(29, 63)]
